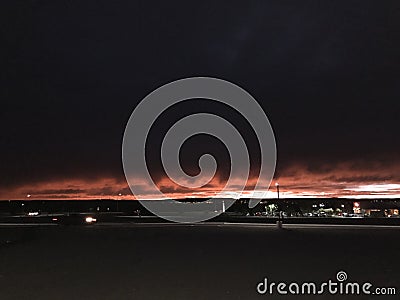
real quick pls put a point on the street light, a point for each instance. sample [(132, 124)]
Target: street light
[(277, 188), (120, 194), (279, 222)]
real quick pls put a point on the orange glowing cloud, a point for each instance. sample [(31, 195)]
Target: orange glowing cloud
[(347, 179)]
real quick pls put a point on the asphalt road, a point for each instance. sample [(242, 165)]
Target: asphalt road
[(205, 261)]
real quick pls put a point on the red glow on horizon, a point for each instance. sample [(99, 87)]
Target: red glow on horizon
[(118, 190), (343, 181)]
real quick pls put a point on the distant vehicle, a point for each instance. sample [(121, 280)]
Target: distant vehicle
[(90, 220), (74, 219), (33, 213)]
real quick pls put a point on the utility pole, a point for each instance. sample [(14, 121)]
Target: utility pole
[(280, 219), (277, 188)]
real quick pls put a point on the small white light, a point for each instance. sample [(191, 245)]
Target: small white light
[(90, 220)]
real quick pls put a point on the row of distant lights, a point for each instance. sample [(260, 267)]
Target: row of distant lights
[(88, 220), (356, 204)]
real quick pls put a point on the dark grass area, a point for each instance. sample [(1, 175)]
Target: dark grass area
[(207, 261)]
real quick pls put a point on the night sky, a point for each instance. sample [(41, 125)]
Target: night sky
[(326, 73)]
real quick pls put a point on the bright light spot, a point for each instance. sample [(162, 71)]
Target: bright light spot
[(90, 220), (28, 196), (374, 196), (277, 184), (54, 219), (375, 188), (35, 213), (356, 207)]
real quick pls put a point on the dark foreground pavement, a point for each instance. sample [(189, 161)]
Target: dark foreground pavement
[(206, 261)]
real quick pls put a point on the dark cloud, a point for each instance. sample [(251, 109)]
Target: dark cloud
[(72, 72)]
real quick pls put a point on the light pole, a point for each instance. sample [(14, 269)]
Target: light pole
[(279, 222), (277, 189), (118, 201)]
